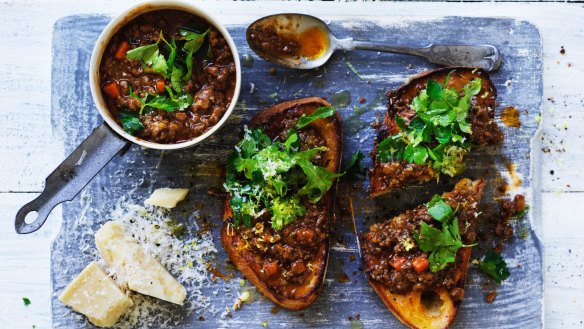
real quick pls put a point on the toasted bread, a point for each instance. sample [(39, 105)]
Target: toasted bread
[(421, 299), (296, 292), (397, 174)]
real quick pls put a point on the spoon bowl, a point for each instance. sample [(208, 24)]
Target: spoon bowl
[(315, 42)]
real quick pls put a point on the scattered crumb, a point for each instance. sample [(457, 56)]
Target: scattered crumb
[(562, 50), (410, 66), (272, 71), (362, 100), (265, 323), (491, 296)]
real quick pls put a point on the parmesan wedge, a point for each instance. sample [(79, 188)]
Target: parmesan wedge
[(167, 197), (96, 295), (134, 267)]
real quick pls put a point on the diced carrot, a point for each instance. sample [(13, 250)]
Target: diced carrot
[(420, 264), (269, 269), (398, 262), (122, 50), (160, 84), (111, 89)]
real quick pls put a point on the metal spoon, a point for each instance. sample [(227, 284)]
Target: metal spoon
[(293, 26)]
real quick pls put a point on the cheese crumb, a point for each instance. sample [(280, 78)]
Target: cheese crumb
[(167, 197)]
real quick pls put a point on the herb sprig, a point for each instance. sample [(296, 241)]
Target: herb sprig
[(441, 244), (176, 67), (439, 133), (495, 266), (271, 176)]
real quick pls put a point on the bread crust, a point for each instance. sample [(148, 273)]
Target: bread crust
[(248, 261)]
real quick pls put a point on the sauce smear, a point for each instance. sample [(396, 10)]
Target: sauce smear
[(510, 117)]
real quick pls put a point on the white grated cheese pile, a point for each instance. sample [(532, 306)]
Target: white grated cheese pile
[(185, 258)]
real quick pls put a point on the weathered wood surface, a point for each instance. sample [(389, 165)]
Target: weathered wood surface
[(31, 148), (519, 301)]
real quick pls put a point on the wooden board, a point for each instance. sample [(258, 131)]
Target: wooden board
[(519, 302)]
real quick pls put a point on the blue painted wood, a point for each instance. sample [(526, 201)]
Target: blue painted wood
[(519, 82)]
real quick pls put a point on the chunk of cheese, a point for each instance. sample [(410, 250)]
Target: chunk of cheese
[(136, 268), (167, 197), (96, 295)]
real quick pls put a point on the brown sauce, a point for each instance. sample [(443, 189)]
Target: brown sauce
[(310, 43), (510, 117)]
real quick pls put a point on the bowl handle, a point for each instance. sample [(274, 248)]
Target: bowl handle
[(71, 176)]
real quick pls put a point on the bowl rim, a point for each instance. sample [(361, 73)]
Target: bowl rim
[(118, 22)]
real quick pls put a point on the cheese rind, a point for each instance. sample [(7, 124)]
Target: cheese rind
[(167, 197), (96, 295), (136, 268)]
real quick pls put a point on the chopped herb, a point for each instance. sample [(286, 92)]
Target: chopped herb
[(439, 133), (354, 165), (354, 70), (150, 57), (130, 122), (273, 95), (26, 301), (162, 102), (441, 244), (319, 113), (265, 323), (439, 210), (177, 229), (494, 265), (271, 176), (521, 214)]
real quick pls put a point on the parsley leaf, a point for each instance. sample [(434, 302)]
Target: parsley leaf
[(26, 301), (439, 209), (438, 134), (521, 214), (319, 113), (354, 166), (150, 57), (441, 244), (194, 42), (494, 265), (130, 122)]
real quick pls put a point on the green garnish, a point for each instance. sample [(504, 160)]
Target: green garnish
[(265, 175), (177, 67), (162, 102), (354, 165), (150, 57), (521, 214), (439, 133), (319, 113), (130, 122), (494, 265), (26, 301), (177, 229), (441, 244)]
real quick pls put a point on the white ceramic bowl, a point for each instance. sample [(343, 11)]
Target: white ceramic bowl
[(118, 22)]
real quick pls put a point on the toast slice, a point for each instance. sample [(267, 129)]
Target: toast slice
[(393, 174), (288, 265), (403, 275)]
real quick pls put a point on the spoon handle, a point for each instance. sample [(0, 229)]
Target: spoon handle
[(486, 57)]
